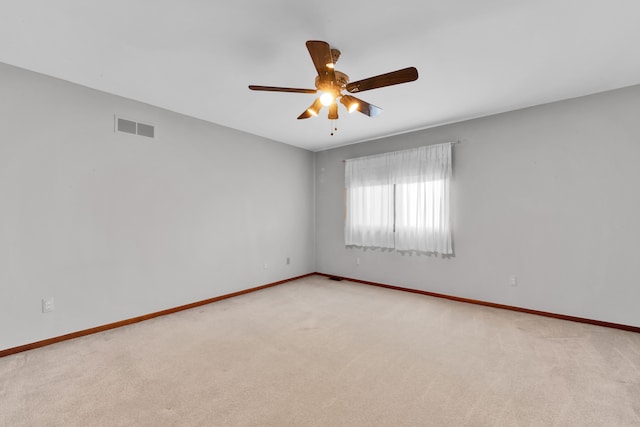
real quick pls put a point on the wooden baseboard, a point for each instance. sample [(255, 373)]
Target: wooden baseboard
[(114, 325), (494, 305)]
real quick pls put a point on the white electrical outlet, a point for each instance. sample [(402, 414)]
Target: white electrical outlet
[(266, 265), (47, 305), (513, 280)]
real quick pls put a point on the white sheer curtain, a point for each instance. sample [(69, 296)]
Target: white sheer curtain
[(400, 200), (369, 202), (422, 179)]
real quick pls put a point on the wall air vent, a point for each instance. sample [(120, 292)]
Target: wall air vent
[(129, 126)]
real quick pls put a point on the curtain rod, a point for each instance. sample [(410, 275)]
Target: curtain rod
[(452, 142)]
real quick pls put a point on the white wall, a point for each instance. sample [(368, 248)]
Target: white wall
[(115, 226), (548, 193)]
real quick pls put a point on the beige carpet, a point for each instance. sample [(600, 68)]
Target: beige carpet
[(321, 353)]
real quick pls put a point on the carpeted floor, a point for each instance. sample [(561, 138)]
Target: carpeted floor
[(315, 352)]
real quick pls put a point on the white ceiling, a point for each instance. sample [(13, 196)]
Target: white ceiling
[(196, 57)]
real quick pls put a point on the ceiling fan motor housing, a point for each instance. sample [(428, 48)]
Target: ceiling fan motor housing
[(335, 86)]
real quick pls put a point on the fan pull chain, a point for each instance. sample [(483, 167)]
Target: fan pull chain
[(334, 127)]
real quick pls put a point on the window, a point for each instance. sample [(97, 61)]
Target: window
[(400, 200)]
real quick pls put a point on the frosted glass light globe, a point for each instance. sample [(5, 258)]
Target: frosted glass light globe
[(326, 99)]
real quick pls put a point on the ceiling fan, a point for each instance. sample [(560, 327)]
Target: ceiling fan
[(331, 83)]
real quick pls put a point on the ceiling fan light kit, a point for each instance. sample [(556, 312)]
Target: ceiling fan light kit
[(350, 103), (330, 84)]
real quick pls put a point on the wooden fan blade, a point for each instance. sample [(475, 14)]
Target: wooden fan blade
[(312, 111), (321, 56), (354, 104), (393, 78), (305, 115), (366, 108), (281, 89)]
